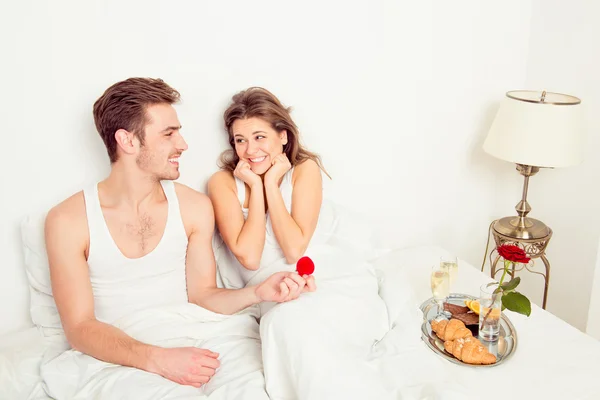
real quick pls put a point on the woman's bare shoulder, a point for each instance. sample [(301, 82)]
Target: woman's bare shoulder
[(221, 178), (307, 168)]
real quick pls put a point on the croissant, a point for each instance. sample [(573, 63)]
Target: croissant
[(459, 341), (469, 350), (450, 330)]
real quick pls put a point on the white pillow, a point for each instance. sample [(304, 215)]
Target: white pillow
[(228, 275), (337, 226), (349, 230), (42, 307), (402, 274)]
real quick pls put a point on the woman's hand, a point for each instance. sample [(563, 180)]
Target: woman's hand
[(279, 166), (244, 172)]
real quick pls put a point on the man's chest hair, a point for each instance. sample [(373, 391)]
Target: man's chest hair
[(140, 229)]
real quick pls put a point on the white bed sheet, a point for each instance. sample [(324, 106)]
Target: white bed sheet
[(20, 357), (553, 360)]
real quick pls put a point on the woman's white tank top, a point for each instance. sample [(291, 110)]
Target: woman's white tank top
[(272, 251)]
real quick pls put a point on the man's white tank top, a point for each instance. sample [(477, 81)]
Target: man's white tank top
[(124, 285)]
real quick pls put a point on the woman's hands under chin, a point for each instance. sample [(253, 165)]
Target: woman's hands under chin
[(244, 172), (279, 166)]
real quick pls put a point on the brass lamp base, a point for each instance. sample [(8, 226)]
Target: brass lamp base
[(521, 228), (530, 234)]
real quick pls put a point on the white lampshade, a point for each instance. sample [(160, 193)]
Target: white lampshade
[(530, 131)]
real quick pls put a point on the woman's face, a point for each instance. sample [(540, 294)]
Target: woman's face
[(257, 143)]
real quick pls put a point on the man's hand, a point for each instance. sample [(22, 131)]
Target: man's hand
[(244, 172), (279, 166), (285, 286), (185, 365)]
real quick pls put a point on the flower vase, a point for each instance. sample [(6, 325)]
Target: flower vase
[(490, 303)]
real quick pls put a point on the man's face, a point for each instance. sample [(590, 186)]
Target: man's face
[(163, 143)]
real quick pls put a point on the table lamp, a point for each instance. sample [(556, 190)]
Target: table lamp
[(534, 130)]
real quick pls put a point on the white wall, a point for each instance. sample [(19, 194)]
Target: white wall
[(396, 96), (564, 58), (593, 323)]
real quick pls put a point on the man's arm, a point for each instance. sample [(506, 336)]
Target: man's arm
[(197, 213), (67, 237)]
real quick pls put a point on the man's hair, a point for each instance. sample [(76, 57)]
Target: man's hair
[(123, 106)]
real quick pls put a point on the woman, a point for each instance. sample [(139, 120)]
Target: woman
[(268, 194), (267, 200)]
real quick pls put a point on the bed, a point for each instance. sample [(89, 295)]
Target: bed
[(553, 359)]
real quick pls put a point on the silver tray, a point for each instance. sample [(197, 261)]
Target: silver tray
[(503, 348)]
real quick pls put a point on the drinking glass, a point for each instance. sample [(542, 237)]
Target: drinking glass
[(440, 288), (450, 264)]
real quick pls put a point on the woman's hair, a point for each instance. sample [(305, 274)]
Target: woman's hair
[(257, 102)]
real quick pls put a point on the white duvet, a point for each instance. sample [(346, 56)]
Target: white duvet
[(318, 346), (338, 342), (73, 375)]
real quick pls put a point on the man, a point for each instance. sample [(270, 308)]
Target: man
[(137, 242)]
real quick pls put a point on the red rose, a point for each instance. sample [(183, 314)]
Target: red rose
[(513, 253), (305, 266)]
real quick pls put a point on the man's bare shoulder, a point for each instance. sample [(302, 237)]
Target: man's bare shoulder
[(191, 200), (195, 208), (68, 217)]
